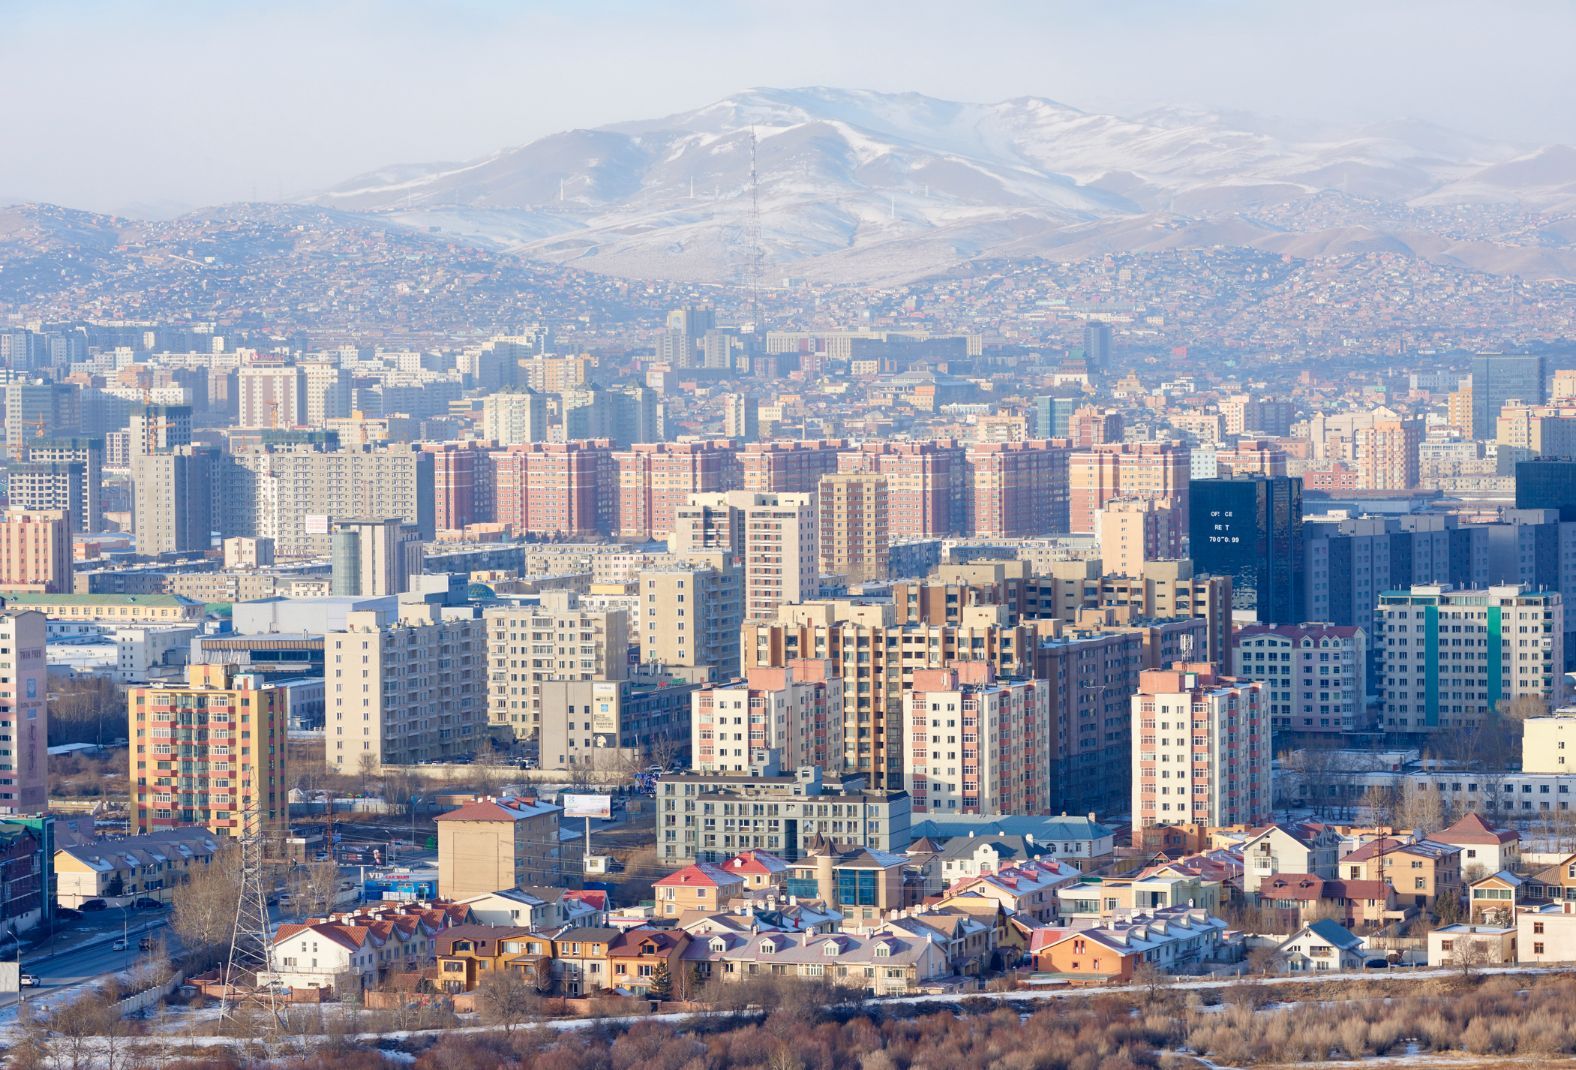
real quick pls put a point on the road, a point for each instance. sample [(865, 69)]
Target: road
[(83, 949)]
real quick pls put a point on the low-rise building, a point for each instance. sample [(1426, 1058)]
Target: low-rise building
[(491, 844), (1484, 848), (150, 866), (1473, 945), (1422, 872), (700, 886), (1029, 890), (1298, 898), (710, 817), (1547, 934), (1179, 939), (883, 964), (1321, 946)]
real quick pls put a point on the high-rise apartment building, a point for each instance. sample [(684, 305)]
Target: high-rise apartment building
[(1201, 749), (927, 485), (556, 488), (270, 394), (54, 487), (976, 744), (1387, 452), (406, 690), (788, 467), (1135, 530), (1250, 529), (772, 536), (741, 417), (689, 614), (329, 392), (462, 485), (24, 714), (1450, 656), (557, 639), (1053, 415), (1547, 483), (1017, 489), (655, 478), (1498, 378), (173, 499), (35, 409), (789, 715), (293, 495), (854, 534), (373, 558), (1315, 676), (876, 659), (74, 450), (1097, 345), (160, 428), (679, 344), (514, 418), (1126, 470), (35, 551), (209, 752)]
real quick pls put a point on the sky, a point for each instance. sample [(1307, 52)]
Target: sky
[(154, 106)]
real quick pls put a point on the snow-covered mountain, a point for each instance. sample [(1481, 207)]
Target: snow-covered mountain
[(864, 186)]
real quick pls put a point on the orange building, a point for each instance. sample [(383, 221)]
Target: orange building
[(35, 551), (1100, 474)]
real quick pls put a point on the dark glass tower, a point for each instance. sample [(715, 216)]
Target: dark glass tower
[(1250, 529), (1498, 378)]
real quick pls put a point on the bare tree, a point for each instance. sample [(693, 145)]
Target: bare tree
[(204, 912), (313, 888), (1152, 983), (1469, 956), (1379, 803), (507, 998), (1419, 808), (366, 770)]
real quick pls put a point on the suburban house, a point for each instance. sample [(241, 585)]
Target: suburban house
[(1475, 945), (536, 908), (969, 856), (883, 964), (1555, 883), (1094, 899), (356, 950), (638, 957), (1321, 945), (703, 886), (969, 942), (1175, 940), (468, 954), (861, 884), (1304, 848), (1494, 899), (762, 871), (1421, 872), (1484, 848), (1298, 898), (1028, 890), (581, 965)]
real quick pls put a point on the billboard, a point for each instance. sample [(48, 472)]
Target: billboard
[(315, 523), (587, 805)]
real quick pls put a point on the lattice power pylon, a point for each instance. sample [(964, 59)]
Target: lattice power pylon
[(251, 940)]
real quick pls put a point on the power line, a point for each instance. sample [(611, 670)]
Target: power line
[(251, 938)]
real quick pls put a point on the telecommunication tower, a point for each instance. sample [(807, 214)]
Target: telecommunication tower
[(251, 939)]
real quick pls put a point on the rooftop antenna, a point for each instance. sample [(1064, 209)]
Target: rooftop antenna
[(560, 190), (891, 206)]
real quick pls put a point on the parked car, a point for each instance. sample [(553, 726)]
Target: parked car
[(1377, 964), (147, 943), (94, 904), (67, 913), (146, 903), (27, 980)]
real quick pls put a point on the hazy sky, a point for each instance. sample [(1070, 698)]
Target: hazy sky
[(113, 105)]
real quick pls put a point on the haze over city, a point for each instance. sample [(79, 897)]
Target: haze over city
[(881, 535)]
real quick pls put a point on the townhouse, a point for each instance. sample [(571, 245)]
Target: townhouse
[(1029, 890), (1423, 873), (882, 964), (1298, 898), (1176, 939), (150, 866)]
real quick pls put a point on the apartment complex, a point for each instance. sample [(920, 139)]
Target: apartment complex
[(404, 690), (1101, 474), (515, 417), (975, 744), (656, 478), (772, 536), (791, 716), (209, 752), (1134, 531), (173, 499), (24, 714), (689, 614), (372, 558), (854, 534), (35, 551), (1315, 675), (1201, 749), (1449, 656), (710, 817), (556, 639)]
